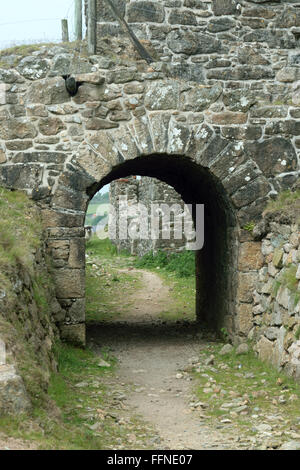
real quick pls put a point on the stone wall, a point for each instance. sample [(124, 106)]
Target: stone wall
[(29, 312), (146, 191), (276, 299), (222, 128), (215, 39)]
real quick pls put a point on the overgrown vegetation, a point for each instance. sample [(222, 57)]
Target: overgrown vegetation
[(24, 312), (288, 202), (182, 264), (20, 230)]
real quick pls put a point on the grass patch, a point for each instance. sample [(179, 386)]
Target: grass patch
[(182, 264), (81, 414), (20, 229), (183, 290), (288, 201), (101, 248)]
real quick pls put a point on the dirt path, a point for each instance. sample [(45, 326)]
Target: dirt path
[(146, 302), (151, 356)]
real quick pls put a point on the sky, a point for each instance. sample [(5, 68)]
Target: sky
[(30, 21)]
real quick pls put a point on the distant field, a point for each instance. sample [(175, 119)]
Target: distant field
[(95, 208)]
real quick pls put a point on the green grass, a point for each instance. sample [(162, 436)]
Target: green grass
[(101, 248), (183, 295), (260, 391), (20, 229), (178, 272), (182, 264), (105, 283)]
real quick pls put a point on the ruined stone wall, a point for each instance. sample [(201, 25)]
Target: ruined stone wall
[(29, 313), (147, 191), (276, 299)]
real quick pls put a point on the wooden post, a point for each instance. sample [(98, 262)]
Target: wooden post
[(65, 30), (92, 27), (78, 20)]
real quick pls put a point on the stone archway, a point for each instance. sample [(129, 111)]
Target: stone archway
[(61, 148), (201, 165)]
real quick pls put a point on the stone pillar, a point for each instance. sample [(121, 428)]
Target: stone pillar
[(66, 249)]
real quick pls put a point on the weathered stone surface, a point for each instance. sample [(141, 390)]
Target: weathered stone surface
[(11, 129), (148, 11), (226, 349), (76, 313), (187, 42), (249, 55), (252, 190), (220, 24), (265, 349), (89, 92), (48, 91), (178, 138), (65, 198), (228, 117), (123, 75), (288, 74), (77, 253), (246, 285), (94, 78), (42, 157), (178, 16), (277, 258), (104, 12), (69, 283), (244, 319), (33, 68), (199, 98), (239, 100), (187, 71), (242, 349), (250, 257), (281, 156), (21, 177), (97, 124), (51, 126), (13, 397), (10, 76), (162, 95), (66, 64), (224, 7), (73, 334)]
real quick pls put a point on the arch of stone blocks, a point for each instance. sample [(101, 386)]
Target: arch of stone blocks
[(204, 168)]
